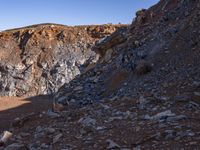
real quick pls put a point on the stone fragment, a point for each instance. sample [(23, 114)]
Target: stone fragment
[(161, 115), (112, 144), (5, 137), (87, 121), (78, 88), (176, 118), (16, 146), (182, 98), (108, 55), (57, 138), (50, 130), (52, 114)]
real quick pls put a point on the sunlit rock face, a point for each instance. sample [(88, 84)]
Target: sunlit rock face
[(39, 59)]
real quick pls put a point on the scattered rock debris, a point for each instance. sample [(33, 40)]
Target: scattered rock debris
[(155, 105)]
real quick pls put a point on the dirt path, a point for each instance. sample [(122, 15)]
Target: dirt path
[(12, 107)]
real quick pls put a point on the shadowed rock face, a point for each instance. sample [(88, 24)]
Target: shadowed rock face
[(160, 38), (39, 59)]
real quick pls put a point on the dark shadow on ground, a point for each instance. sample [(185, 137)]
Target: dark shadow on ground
[(13, 107)]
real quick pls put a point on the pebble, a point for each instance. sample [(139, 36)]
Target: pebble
[(39, 129), (50, 130), (57, 138), (87, 121), (176, 118), (52, 114)]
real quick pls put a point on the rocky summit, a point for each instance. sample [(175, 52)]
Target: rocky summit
[(113, 86)]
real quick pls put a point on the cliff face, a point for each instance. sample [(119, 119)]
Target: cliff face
[(39, 59)]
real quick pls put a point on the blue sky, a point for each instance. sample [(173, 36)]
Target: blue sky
[(19, 13)]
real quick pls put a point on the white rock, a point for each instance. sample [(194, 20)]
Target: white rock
[(6, 136)]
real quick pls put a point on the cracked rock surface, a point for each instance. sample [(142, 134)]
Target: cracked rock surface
[(39, 59)]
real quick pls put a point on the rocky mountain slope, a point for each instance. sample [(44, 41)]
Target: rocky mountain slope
[(142, 93), (161, 40), (39, 59)]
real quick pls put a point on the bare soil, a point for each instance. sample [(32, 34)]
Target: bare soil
[(13, 107)]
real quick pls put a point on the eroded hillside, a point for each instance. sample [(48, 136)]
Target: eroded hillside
[(39, 59)]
